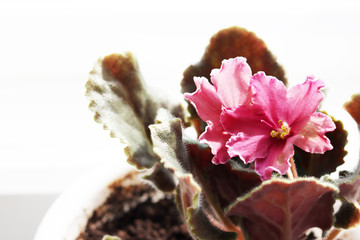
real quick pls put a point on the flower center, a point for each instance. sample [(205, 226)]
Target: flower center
[(281, 132)]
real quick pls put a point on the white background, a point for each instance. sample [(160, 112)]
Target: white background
[(48, 138)]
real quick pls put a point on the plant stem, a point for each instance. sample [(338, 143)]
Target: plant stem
[(236, 229), (289, 174), (226, 225), (229, 226), (293, 168), (333, 233)]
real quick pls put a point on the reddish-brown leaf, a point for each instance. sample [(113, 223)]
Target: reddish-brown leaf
[(353, 107), (221, 183), (229, 43), (285, 209)]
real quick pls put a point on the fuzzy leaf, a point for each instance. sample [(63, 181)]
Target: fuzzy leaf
[(168, 144), (229, 43), (162, 177), (166, 137), (353, 107), (285, 209), (348, 215), (221, 183), (196, 218), (228, 184), (120, 102), (317, 165), (169, 147), (187, 190), (350, 188)]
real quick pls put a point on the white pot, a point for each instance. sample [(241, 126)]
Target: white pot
[(68, 215)]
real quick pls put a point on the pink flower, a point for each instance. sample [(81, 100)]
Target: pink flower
[(209, 100), (258, 119)]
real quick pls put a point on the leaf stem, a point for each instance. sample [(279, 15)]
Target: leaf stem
[(226, 224), (290, 174), (293, 168), (232, 227), (333, 233)]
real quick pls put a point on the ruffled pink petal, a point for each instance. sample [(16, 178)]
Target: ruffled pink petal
[(277, 160), (208, 105), (269, 97), (250, 137), (303, 101), (243, 119), (221, 157), (249, 148), (312, 137), (216, 138), (206, 101), (232, 81)]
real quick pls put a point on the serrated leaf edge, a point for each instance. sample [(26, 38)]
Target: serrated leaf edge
[(286, 181)]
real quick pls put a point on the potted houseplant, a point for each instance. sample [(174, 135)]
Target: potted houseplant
[(259, 164)]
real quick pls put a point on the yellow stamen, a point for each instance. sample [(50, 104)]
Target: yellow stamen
[(282, 132), (275, 134)]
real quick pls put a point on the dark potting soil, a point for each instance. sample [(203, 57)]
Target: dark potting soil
[(136, 212)]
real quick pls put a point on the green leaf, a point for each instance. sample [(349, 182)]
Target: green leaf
[(168, 144), (118, 98), (197, 219), (162, 177), (121, 102), (284, 209), (229, 43), (317, 165)]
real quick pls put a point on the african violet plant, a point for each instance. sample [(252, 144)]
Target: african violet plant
[(260, 167)]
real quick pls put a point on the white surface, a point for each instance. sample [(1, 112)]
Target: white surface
[(22, 213), (47, 136)]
